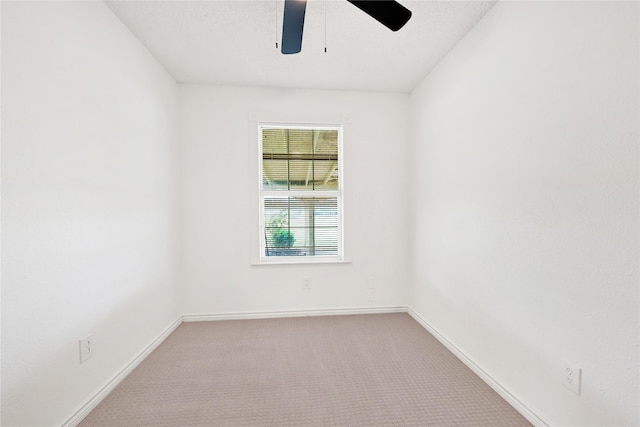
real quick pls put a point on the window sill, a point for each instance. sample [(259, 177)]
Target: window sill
[(298, 261)]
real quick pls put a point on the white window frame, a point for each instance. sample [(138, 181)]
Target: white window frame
[(338, 194)]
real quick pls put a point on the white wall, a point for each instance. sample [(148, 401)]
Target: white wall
[(89, 187), (525, 204), (220, 201)]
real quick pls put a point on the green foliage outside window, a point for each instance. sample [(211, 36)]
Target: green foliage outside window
[(281, 237)]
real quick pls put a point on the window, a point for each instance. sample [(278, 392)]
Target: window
[(300, 192)]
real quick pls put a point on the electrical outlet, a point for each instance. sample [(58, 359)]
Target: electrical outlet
[(307, 284), (86, 348), (371, 295), (371, 283), (572, 377)]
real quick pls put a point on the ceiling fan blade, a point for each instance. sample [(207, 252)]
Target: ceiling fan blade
[(292, 26), (390, 13)]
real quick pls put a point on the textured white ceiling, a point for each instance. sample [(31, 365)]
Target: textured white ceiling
[(232, 42)]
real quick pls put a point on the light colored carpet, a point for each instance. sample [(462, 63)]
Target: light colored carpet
[(364, 370)]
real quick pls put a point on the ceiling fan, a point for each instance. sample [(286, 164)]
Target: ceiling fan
[(389, 13)]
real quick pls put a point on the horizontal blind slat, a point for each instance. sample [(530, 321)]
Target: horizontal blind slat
[(302, 164)]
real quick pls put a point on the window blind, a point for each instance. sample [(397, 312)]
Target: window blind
[(300, 192), (300, 159)]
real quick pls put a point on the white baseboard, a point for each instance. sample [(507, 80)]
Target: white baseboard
[(531, 416), (81, 413), (291, 313)]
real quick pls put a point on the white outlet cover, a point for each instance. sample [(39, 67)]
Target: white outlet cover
[(572, 377), (371, 283), (86, 348)]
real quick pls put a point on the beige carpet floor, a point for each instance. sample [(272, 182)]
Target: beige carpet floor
[(364, 370)]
